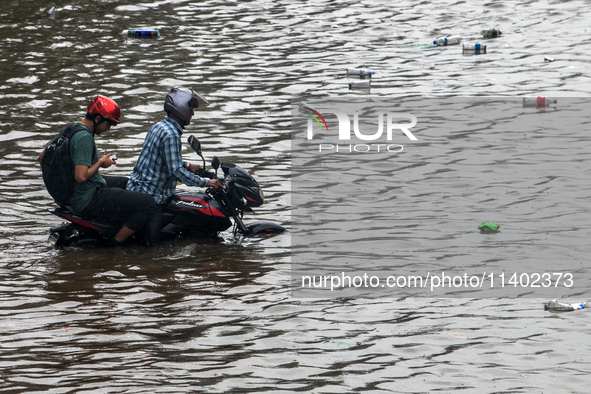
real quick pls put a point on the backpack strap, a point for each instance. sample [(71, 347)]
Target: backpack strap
[(73, 129)]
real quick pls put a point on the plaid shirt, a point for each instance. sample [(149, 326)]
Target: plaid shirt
[(160, 166)]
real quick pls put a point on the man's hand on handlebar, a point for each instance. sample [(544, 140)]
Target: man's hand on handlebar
[(215, 184), (193, 167), (205, 174)]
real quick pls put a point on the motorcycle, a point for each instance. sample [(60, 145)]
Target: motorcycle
[(191, 213)]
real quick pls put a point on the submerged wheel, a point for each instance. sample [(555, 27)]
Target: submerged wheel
[(83, 242)]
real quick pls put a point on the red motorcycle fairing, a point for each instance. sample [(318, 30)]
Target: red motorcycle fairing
[(199, 204), (195, 211), (106, 227)]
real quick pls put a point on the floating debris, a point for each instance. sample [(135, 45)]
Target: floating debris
[(445, 41), (304, 108), (473, 48), (548, 59), (491, 33), (361, 72), (489, 228), (141, 33), (458, 335), (51, 13), (555, 305), (538, 102), (365, 85)]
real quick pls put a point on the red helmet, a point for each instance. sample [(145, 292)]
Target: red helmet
[(105, 107)]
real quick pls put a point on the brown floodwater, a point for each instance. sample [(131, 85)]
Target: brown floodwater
[(219, 315)]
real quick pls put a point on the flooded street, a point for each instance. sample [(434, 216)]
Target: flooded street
[(219, 316)]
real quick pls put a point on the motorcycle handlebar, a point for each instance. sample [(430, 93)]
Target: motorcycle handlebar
[(205, 174)]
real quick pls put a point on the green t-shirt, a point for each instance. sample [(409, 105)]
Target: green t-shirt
[(83, 151)]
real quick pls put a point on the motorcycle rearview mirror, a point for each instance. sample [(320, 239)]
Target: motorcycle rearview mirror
[(196, 146), (215, 164)]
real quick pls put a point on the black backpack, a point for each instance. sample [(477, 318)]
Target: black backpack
[(57, 167)]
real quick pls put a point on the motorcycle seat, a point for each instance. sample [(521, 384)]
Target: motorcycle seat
[(72, 211)]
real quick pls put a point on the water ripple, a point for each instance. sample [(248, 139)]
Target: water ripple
[(219, 316)]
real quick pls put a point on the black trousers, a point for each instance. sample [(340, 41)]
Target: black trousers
[(138, 211)]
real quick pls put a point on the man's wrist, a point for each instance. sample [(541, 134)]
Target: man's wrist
[(186, 165)]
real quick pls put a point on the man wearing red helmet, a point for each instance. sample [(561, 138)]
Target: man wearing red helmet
[(95, 195)]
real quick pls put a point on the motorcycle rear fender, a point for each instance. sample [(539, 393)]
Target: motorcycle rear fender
[(102, 226)]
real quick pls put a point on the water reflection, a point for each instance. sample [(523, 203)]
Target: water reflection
[(152, 275)]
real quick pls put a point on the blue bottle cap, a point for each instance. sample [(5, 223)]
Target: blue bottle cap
[(435, 42)]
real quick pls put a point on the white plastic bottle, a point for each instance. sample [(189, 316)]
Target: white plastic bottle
[(361, 72), (538, 102), (51, 13), (304, 108), (555, 305), (491, 33), (445, 41), (473, 48)]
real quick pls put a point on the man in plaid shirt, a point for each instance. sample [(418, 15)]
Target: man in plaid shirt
[(160, 165)]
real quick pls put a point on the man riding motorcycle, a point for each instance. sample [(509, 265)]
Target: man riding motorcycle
[(160, 165)]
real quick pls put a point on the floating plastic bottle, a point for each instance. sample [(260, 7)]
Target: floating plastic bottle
[(491, 33), (445, 41), (141, 33), (361, 72), (360, 85), (555, 305), (306, 109), (474, 48), (51, 13), (538, 102)]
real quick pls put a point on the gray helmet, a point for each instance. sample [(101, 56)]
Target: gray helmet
[(181, 101)]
